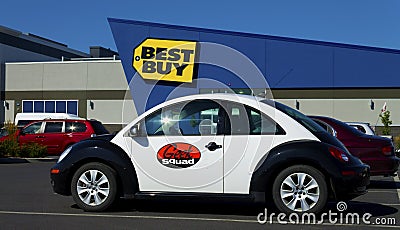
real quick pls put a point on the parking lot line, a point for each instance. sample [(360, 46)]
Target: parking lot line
[(397, 181), (384, 191), (127, 216), (180, 218)]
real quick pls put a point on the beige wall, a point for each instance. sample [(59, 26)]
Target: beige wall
[(101, 82), (65, 76), (112, 111)]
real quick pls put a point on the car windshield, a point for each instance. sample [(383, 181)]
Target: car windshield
[(98, 127), (299, 117)]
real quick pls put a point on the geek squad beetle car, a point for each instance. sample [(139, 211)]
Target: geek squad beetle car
[(221, 145)]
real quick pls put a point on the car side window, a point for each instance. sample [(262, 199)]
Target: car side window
[(360, 128), (245, 120), (261, 124), (53, 127), (75, 127), (199, 117), (33, 128)]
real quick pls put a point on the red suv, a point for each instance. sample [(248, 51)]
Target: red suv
[(376, 151), (58, 135)]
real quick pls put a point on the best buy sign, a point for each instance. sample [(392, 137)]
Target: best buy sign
[(166, 60)]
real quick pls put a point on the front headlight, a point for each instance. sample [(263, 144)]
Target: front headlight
[(64, 154)]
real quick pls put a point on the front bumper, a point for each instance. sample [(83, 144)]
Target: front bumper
[(353, 182)]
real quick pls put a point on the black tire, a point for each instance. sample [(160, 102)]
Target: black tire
[(98, 195), (300, 196)]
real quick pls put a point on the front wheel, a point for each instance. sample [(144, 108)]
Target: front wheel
[(94, 187), (300, 188)]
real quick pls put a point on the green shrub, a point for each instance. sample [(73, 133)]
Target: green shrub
[(10, 147), (33, 150), (385, 119), (397, 142)]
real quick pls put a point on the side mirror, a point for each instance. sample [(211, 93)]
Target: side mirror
[(22, 132), (134, 131)]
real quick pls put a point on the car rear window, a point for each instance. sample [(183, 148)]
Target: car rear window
[(75, 127), (307, 122), (98, 127)]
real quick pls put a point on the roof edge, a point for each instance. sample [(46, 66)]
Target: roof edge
[(254, 35)]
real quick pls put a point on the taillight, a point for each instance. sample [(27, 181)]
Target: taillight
[(387, 150), (338, 154)]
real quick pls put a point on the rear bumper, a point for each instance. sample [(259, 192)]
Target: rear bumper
[(59, 182), (353, 182)]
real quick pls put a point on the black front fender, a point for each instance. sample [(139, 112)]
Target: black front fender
[(103, 151)]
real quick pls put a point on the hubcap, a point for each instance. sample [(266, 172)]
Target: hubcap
[(93, 187), (299, 192)]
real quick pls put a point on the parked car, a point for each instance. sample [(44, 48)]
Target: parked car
[(22, 119), (377, 152), (213, 145), (3, 132), (58, 135), (327, 127), (362, 127)]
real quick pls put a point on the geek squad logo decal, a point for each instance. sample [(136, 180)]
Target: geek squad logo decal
[(178, 155), (166, 60)]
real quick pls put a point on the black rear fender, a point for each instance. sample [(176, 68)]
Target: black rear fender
[(310, 153)]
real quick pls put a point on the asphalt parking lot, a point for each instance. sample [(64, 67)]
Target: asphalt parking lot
[(27, 202)]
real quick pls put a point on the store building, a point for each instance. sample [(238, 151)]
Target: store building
[(348, 82)]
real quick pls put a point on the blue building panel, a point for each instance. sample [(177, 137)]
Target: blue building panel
[(170, 33), (364, 68), (299, 65)]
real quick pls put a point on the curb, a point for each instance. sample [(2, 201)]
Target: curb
[(12, 160), (45, 159)]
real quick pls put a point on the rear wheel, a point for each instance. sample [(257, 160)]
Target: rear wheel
[(300, 188), (94, 187)]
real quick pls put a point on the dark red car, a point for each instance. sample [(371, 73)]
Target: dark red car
[(376, 151), (58, 135)]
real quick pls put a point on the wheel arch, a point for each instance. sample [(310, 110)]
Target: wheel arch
[(108, 154), (309, 153)]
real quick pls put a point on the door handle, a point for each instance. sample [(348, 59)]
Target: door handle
[(212, 146), (39, 136)]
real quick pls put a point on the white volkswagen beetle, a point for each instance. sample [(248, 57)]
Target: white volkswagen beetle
[(213, 145)]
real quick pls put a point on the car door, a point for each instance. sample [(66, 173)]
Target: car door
[(250, 135), (180, 148), (53, 136), (31, 133)]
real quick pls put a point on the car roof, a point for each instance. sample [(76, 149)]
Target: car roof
[(358, 123), (239, 98), (59, 120)]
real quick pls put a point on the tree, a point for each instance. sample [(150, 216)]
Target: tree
[(385, 118)]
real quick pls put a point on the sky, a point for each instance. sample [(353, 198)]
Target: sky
[(81, 24)]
